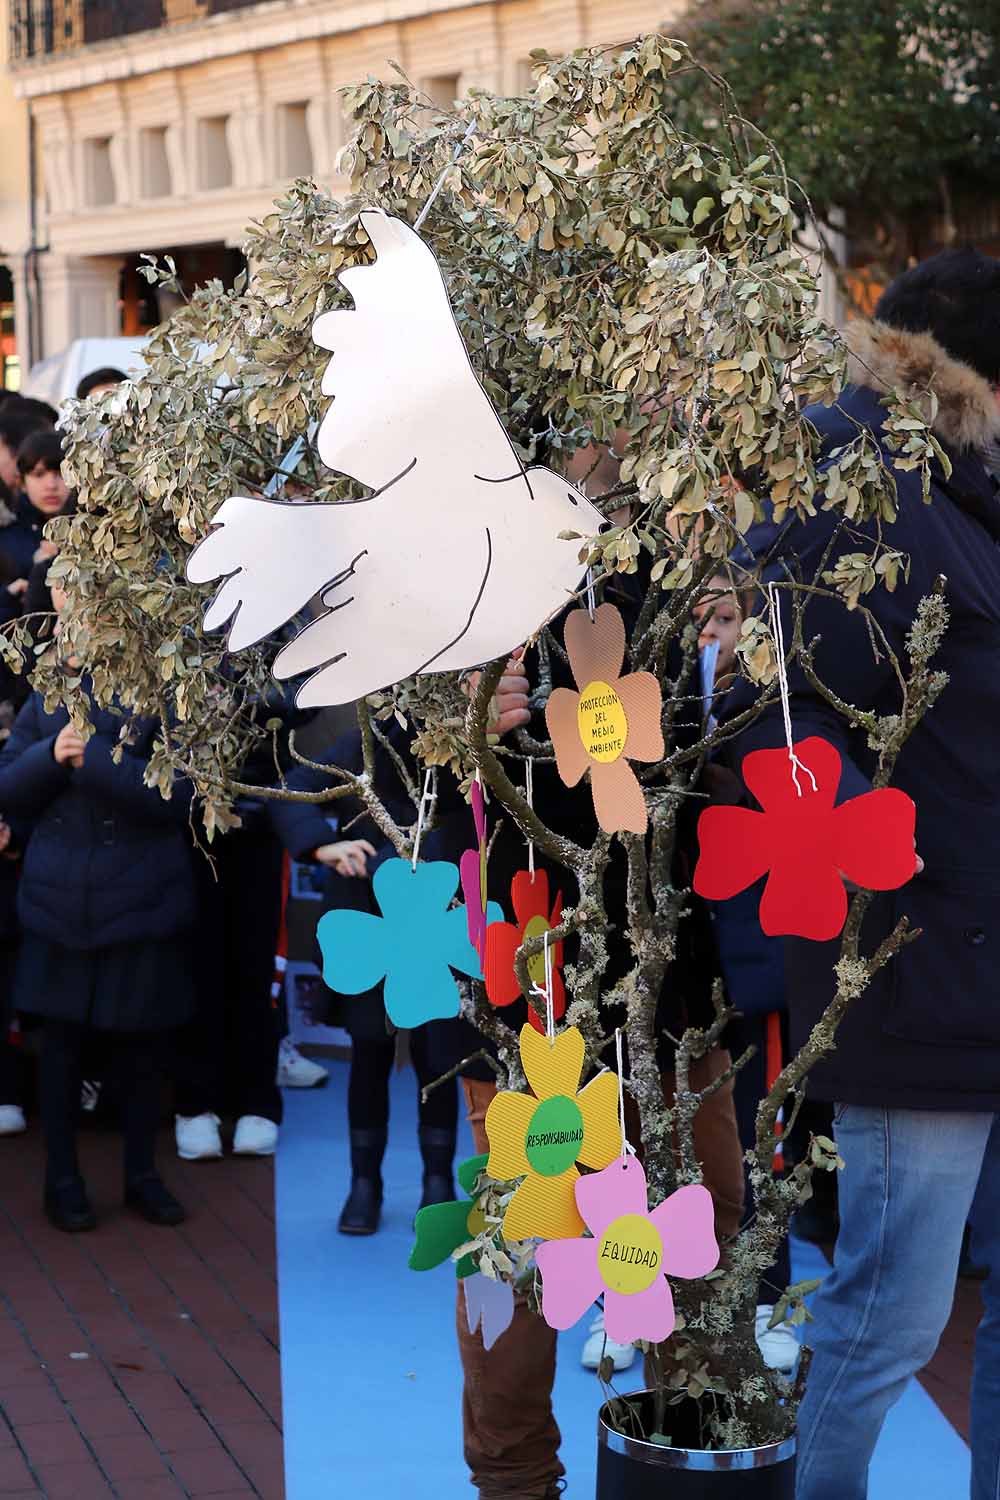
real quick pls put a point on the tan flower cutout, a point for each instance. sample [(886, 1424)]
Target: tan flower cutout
[(610, 721)]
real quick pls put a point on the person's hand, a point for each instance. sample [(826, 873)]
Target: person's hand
[(724, 787), (45, 550), (347, 857), (69, 747), (17, 588), (4, 836), (510, 702)]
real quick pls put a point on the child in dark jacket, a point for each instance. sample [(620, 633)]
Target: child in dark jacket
[(12, 1121), (305, 833), (43, 494), (106, 903)]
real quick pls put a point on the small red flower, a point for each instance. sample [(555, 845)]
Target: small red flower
[(530, 896), (805, 845)]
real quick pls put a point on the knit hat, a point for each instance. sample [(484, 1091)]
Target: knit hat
[(955, 297)]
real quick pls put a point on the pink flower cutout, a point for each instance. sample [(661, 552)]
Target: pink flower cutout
[(630, 1256)]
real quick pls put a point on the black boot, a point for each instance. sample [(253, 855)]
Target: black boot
[(68, 1206), (437, 1147), (361, 1212), (150, 1197)]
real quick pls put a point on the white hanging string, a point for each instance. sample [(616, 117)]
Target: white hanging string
[(627, 1148), (590, 592), (459, 148), (529, 792), (428, 797), (545, 993), (778, 632)]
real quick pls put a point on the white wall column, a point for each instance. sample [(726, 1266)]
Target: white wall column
[(79, 298)]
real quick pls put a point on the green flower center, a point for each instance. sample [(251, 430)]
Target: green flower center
[(555, 1136)]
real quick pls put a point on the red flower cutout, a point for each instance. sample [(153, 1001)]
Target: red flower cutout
[(530, 896), (805, 845)]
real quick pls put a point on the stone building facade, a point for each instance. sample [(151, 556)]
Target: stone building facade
[(169, 124)]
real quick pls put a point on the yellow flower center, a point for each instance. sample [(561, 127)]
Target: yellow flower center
[(630, 1254), (536, 963), (601, 721)]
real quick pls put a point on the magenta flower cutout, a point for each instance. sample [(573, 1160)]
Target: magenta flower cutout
[(630, 1256), (472, 867)]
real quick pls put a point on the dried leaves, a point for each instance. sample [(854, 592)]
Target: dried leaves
[(611, 276)]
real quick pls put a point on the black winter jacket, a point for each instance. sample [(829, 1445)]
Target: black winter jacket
[(107, 859), (21, 539), (926, 1034)]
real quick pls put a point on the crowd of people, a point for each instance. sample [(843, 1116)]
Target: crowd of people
[(128, 960), (106, 902)]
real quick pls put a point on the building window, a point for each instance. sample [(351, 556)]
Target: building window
[(215, 164), (444, 90), (295, 157), (154, 164), (98, 178), (105, 19)]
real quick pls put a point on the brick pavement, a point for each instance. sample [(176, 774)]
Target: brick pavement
[(137, 1362)]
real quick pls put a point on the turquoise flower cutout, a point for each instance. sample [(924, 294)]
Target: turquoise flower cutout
[(413, 945)]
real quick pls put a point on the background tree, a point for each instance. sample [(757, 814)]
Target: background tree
[(885, 112), (609, 272)]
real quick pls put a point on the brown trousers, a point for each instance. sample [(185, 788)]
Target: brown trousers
[(510, 1432)]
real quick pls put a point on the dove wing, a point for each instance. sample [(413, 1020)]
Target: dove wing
[(404, 388), (272, 557)]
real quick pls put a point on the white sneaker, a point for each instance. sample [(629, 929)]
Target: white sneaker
[(255, 1136), (779, 1346), (12, 1121), (598, 1347), (296, 1071), (198, 1137)]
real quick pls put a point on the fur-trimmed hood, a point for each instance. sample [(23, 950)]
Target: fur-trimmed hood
[(882, 357)]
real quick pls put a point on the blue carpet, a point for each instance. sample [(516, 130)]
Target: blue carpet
[(370, 1370)]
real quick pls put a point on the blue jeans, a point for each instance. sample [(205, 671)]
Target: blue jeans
[(912, 1180)]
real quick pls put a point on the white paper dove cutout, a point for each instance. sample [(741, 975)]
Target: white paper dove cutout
[(454, 560)]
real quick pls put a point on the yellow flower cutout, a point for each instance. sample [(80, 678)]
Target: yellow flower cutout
[(542, 1138)]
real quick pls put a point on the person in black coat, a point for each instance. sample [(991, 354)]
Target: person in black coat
[(915, 1076), (306, 834), (43, 494), (12, 1120), (226, 1058), (19, 416), (106, 902)]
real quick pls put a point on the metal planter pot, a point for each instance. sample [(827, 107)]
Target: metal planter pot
[(630, 1469)]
